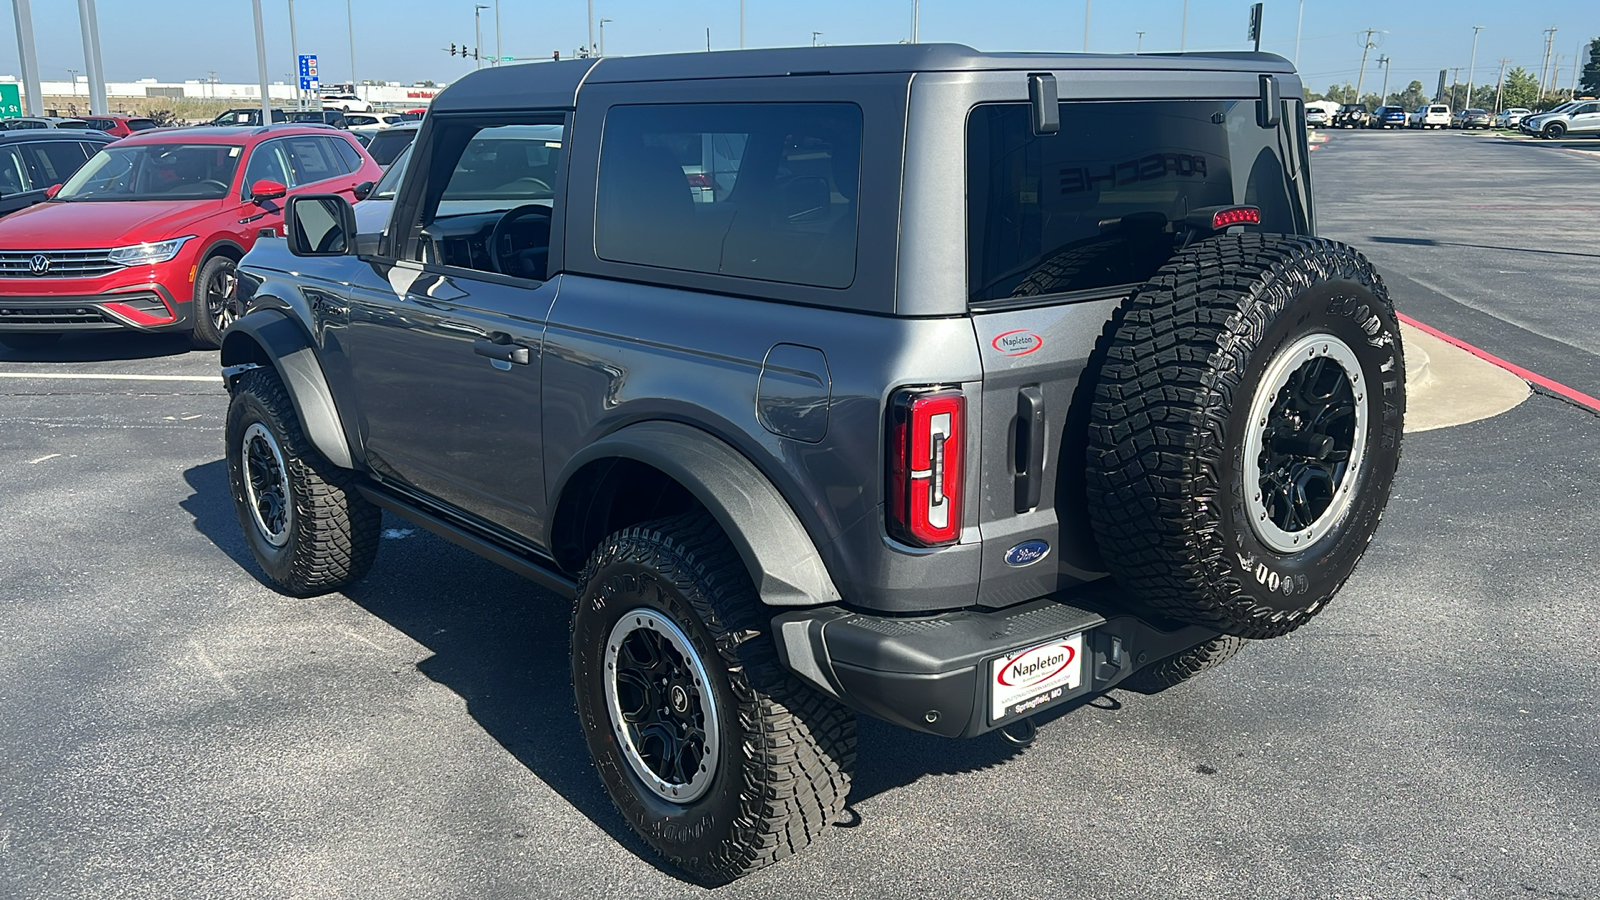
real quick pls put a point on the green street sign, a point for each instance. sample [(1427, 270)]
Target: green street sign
[(10, 101), (508, 59)]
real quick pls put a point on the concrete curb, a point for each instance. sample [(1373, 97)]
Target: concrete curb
[(1447, 386)]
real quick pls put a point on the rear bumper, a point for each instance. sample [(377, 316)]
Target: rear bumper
[(147, 307), (936, 673)]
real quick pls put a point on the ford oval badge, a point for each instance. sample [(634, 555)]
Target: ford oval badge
[(1027, 553)]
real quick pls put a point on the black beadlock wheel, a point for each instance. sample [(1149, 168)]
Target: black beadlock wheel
[(1245, 431), (716, 756), (307, 527), (213, 310)]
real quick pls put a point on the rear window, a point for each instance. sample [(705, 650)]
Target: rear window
[(760, 191), (1438, 109), (386, 145), (1102, 202), (141, 124)]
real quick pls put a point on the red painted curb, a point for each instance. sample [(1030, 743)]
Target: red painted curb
[(1555, 387)]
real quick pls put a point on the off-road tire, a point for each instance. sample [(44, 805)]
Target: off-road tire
[(29, 340), (205, 332), (785, 751), (1167, 495), (1180, 667), (331, 531)]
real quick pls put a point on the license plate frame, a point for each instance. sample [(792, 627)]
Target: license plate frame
[(1024, 681)]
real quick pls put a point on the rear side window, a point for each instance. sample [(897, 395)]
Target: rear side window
[(13, 172), (311, 159), (52, 162), (1102, 202), (386, 145), (141, 124), (760, 191)]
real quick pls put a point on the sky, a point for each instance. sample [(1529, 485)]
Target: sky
[(176, 40)]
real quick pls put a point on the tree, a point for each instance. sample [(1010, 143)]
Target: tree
[(1340, 93), (1521, 89), (1412, 97), (1591, 70)]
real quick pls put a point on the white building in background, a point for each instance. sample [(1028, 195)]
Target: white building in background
[(390, 94)]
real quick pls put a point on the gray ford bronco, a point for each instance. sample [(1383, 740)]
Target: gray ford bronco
[(948, 387)]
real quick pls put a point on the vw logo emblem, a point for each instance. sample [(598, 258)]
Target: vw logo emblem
[(39, 265)]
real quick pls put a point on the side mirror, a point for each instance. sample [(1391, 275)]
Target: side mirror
[(267, 189), (320, 225), (51, 191), (364, 189)]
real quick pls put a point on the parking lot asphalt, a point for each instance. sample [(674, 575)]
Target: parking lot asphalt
[(174, 728)]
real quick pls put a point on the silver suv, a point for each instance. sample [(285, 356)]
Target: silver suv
[(1579, 117)]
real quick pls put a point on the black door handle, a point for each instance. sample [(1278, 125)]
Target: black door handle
[(505, 352), (1029, 448)]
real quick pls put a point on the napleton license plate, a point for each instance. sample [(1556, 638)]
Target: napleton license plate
[(1022, 682)]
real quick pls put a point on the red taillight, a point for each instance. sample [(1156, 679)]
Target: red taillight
[(699, 180), (1236, 215), (926, 434)]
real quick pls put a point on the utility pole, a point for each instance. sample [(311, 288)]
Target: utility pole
[(916, 16), (1455, 82), (603, 22), (741, 25), (1383, 63), (589, 49), (1366, 46), (1577, 64), (91, 57), (1472, 66), (1087, 5), (1139, 47), (1544, 72), (1183, 29), (814, 36), (1500, 83), (477, 29), (708, 38), (499, 55), (261, 64), (1555, 74), (1298, 24)]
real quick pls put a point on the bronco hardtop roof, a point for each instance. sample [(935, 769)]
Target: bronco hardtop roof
[(556, 84)]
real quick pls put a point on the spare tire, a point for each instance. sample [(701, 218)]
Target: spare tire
[(1245, 431)]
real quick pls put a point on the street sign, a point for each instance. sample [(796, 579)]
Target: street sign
[(10, 101), (308, 72)]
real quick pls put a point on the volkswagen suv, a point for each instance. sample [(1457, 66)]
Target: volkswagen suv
[(146, 234)]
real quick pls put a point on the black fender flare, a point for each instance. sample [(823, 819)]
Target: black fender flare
[(270, 338), (781, 557)]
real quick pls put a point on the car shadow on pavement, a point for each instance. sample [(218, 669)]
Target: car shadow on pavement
[(103, 348), (501, 644)]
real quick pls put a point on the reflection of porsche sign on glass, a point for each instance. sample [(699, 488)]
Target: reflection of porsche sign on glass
[(1145, 168)]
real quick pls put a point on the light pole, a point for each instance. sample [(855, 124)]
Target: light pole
[(1139, 47), (1298, 24), (603, 36), (1472, 66), (814, 36), (498, 53), (916, 16), (73, 75), (1383, 61), (261, 64), (477, 25), (294, 50), (589, 50), (741, 24), (91, 57), (1087, 5), (1183, 29), (350, 23)]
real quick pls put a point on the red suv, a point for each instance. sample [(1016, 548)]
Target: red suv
[(119, 126), (146, 235)]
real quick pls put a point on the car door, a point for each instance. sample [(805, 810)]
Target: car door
[(446, 326), (1585, 119)]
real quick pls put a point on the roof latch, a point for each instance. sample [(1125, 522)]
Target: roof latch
[(1046, 108), (1269, 109)]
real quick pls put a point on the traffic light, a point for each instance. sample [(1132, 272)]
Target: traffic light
[(557, 56), (452, 49), (474, 52)]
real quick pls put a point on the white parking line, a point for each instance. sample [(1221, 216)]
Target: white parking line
[(34, 462), (95, 376)]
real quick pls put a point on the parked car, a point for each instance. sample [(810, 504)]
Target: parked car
[(1434, 115), (1511, 118), (37, 123), (1353, 115), (1531, 122), (145, 235), (1578, 118), (371, 123), (842, 439), (387, 143), (1467, 119), (346, 102), (32, 161), (246, 116), (413, 115), (333, 117), (1316, 116), (120, 126), (374, 201), (1388, 117)]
